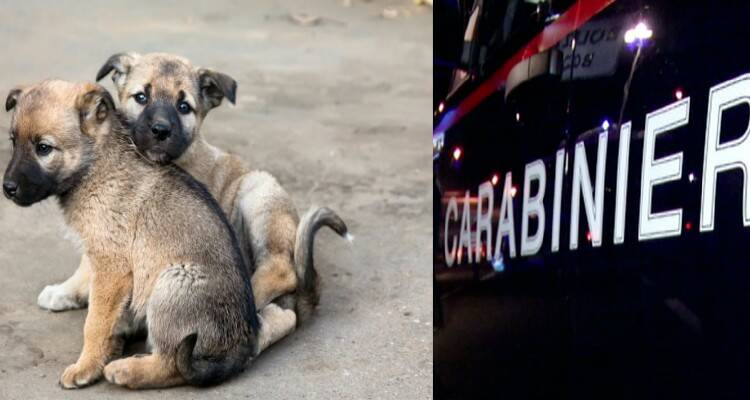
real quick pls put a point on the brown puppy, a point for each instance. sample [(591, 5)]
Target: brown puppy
[(166, 99), (160, 250)]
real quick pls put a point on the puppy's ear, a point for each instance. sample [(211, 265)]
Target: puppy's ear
[(12, 99), (94, 105), (214, 86), (120, 63)]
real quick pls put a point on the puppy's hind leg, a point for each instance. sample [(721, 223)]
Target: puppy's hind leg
[(144, 372), (274, 276), (69, 295), (266, 216)]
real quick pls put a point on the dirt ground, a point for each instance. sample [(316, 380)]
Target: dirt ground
[(335, 100)]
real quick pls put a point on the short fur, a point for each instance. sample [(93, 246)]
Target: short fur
[(160, 250), (259, 209)]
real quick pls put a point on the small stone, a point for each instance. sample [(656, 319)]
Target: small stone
[(305, 19), (390, 13)]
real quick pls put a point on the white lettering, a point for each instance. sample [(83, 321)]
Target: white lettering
[(654, 172), (505, 225), (484, 220), (464, 238), (594, 204), (560, 159), (451, 213), (622, 183), (533, 206), (720, 157)]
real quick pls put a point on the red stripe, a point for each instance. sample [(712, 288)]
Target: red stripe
[(571, 20)]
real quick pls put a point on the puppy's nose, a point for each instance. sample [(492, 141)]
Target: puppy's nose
[(161, 130), (10, 188)]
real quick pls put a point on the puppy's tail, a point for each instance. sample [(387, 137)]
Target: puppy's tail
[(308, 288), (207, 371)]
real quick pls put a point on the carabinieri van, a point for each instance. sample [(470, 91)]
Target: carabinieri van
[(592, 199)]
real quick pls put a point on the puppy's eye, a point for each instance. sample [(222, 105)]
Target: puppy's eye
[(43, 149), (183, 107), (140, 98)]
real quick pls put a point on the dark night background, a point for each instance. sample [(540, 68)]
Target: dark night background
[(666, 318)]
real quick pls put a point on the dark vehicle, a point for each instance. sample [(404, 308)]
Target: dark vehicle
[(592, 235)]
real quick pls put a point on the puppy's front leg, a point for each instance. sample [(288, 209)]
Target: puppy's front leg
[(111, 287)]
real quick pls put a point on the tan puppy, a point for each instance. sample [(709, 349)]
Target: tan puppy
[(166, 99), (160, 250)]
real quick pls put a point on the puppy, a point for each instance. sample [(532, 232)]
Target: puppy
[(160, 250), (167, 99)]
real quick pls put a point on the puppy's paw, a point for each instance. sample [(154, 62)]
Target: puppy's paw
[(59, 298), (77, 376), (285, 320), (275, 324), (290, 320), (118, 372)]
